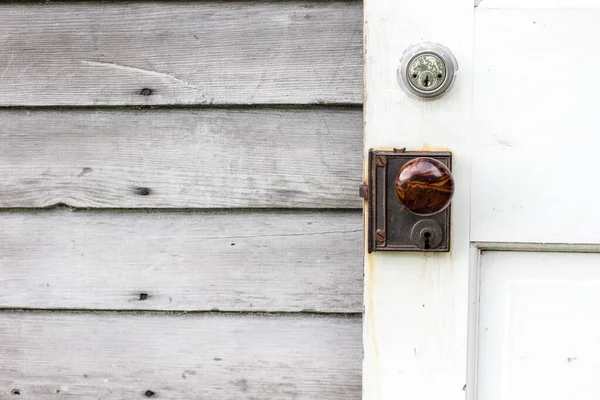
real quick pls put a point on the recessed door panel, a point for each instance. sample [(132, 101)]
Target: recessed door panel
[(539, 326)]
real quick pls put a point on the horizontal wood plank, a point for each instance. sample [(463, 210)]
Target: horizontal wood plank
[(230, 261), (213, 158), (165, 52), (202, 356)]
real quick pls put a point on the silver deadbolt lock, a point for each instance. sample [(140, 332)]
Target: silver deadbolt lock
[(427, 70)]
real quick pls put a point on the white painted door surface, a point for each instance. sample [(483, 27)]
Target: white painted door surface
[(513, 310)]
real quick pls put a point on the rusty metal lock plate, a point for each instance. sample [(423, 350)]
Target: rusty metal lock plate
[(418, 220)]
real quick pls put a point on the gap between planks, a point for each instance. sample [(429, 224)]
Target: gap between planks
[(313, 313)]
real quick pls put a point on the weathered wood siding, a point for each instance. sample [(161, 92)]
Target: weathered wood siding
[(185, 158), (207, 248), (187, 52), (166, 356), (199, 261)]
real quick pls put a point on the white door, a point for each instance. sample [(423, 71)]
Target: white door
[(513, 310)]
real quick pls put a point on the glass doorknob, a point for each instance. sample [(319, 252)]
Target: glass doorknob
[(424, 186)]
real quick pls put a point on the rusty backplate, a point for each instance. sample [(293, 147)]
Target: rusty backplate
[(390, 225)]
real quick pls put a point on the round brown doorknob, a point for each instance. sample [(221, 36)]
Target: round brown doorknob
[(424, 186)]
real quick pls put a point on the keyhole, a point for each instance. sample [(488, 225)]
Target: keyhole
[(427, 236), (426, 79)]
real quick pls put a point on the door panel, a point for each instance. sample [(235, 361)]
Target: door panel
[(539, 333), (534, 147), (536, 4)]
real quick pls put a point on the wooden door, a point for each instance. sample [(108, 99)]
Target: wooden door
[(511, 311)]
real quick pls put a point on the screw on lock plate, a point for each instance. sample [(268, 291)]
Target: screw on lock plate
[(427, 70)]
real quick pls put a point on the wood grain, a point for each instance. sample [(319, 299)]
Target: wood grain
[(213, 158), (234, 52), (230, 261), (198, 356)]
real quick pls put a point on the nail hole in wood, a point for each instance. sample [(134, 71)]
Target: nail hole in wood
[(143, 296), (149, 393), (143, 191), (146, 92)]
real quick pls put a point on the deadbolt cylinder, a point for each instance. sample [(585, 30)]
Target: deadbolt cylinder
[(427, 70)]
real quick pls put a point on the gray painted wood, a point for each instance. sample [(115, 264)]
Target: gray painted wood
[(181, 158), (230, 261), (202, 356), (233, 52)]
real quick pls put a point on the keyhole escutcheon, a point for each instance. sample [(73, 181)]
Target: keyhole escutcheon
[(427, 234)]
